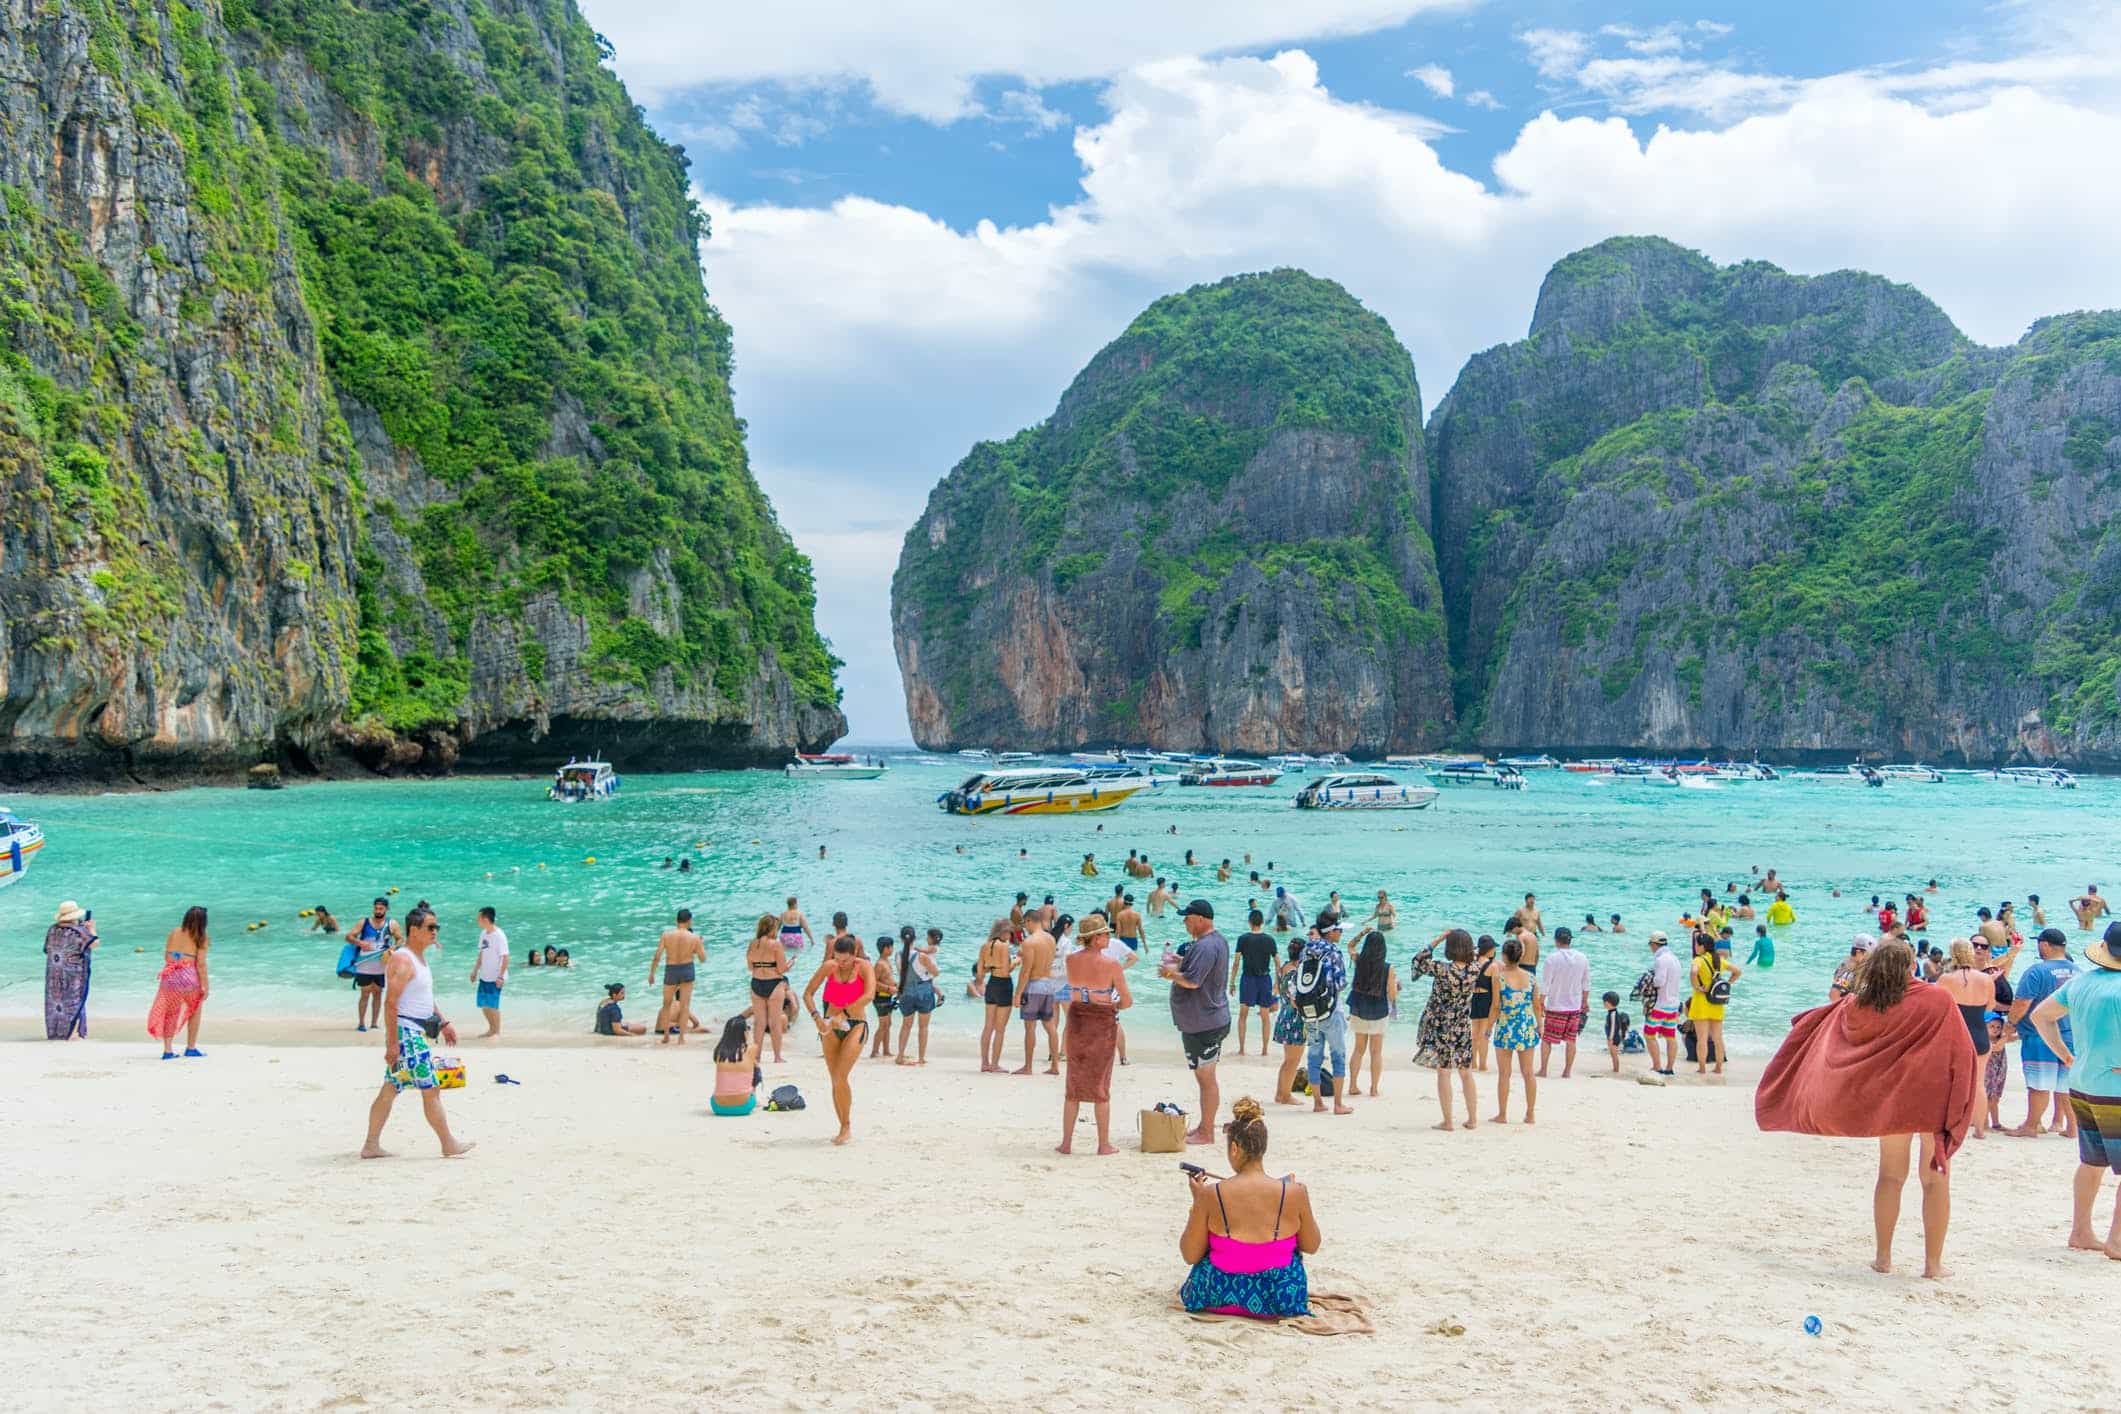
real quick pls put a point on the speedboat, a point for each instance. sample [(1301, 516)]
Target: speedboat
[(976, 753), (1745, 771), (1363, 790), (835, 766), (1015, 758), (1869, 775), (2053, 777), (1293, 763), (1530, 763), (1057, 790), (19, 843), (1478, 773), (583, 780), (1097, 758), (1230, 773), (1437, 761), (1912, 771)]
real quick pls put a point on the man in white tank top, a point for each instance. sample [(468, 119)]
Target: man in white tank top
[(408, 1064)]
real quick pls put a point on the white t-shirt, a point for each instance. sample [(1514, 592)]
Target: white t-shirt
[(1564, 973), (1670, 975), (493, 954)]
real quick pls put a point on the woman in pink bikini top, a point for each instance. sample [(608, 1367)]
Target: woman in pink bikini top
[(1247, 1234)]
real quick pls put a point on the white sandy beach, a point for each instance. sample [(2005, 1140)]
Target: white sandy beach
[(201, 1235)]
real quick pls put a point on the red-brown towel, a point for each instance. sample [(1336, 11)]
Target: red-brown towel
[(1856, 1073)]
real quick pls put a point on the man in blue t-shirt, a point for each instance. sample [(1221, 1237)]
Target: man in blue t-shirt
[(2044, 1081), (2093, 999)]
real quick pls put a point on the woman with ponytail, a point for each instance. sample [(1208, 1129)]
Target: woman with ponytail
[(1247, 1234)]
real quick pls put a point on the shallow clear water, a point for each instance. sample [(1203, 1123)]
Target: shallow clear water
[(1584, 845)]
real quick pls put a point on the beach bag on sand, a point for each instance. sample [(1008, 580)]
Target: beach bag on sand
[(1316, 996), (785, 1097), (1162, 1133)]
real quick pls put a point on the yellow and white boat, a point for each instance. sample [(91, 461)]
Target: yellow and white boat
[(19, 843), (1042, 790)]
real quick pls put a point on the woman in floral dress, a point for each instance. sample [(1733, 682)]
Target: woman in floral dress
[(1288, 1026), (1444, 1042)]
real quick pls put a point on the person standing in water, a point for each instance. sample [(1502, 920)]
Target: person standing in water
[(372, 937), (679, 952), (489, 971), (843, 1025), (181, 989), (795, 930), (408, 1062), (1255, 980)]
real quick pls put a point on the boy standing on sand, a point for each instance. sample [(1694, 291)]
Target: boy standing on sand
[(490, 970)]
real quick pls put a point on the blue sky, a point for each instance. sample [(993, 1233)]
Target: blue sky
[(929, 214)]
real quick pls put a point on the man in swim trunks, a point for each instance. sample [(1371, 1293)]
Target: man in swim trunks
[(1127, 924), (1567, 987), (1662, 1027), (2045, 1074), (408, 1063), (1158, 897), (489, 971), (374, 936), (1254, 983), (1140, 868), (679, 951), (1036, 993)]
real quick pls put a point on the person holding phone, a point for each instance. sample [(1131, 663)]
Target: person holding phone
[(1246, 1235)]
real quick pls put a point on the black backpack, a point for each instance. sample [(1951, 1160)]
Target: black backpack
[(1315, 996), (785, 1097), (1720, 989)]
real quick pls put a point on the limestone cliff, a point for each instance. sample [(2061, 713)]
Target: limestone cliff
[(1728, 509), (358, 394), (1217, 542)]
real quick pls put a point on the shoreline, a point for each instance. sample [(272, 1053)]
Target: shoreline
[(610, 1239)]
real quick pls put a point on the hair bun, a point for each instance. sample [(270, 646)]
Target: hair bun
[(1247, 1110)]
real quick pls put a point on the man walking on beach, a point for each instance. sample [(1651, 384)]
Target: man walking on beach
[(1200, 1007), (490, 970), (1036, 1002), (1567, 982), (1662, 1025), (2044, 1069), (408, 1063), (375, 935)]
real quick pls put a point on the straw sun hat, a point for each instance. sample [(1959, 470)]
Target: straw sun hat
[(69, 912)]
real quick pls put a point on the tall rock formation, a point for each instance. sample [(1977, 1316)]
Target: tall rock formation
[(1217, 542), (1728, 509), (358, 392)]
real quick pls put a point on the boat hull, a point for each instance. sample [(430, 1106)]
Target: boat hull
[(15, 857), (833, 773), (1406, 798), (1039, 803)]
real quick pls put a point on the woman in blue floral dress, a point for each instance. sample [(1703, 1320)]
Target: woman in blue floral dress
[(1519, 1015), (1288, 1026)]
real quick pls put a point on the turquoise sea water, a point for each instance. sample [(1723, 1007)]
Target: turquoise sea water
[(138, 860)]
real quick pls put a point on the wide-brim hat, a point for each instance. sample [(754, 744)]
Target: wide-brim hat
[(69, 912), (1094, 926), (2107, 954)]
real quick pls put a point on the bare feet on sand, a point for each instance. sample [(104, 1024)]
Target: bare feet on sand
[(370, 1151), (1200, 1136), (1446, 1126), (843, 1136), (1882, 1265), (1104, 1149), (1021, 1070), (459, 1152), (1498, 1119)]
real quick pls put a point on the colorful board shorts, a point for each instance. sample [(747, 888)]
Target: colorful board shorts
[(2098, 1129), (416, 1063), (1661, 1023), (1562, 1026)]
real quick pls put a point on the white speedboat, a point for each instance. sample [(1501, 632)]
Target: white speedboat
[(1229, 773), (1016, 758), (1437, 761), (1530, 763), (1293, 763), (1696, 781), (583, 780), (2053, 777), (1478, 773), (1097, 758), (1745, 771), (1042, 790), (976, 753), (1912, 771), (20, 842), (1363, 790), (1869, 775), (837, 766)]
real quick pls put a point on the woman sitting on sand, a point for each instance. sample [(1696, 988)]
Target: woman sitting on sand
[(736, 1069), (1247, 1234), (1097, 993), (843, 1026), (1444, 1040), (1288, 1025), (767, 960), (181, 992)]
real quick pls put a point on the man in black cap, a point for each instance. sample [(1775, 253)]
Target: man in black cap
[(1200, 1007)]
